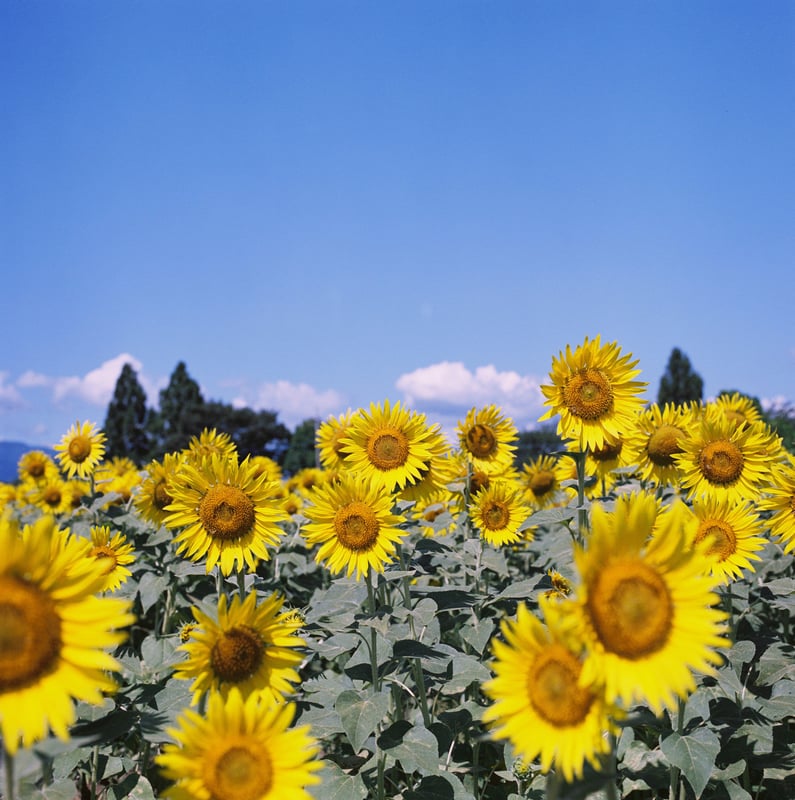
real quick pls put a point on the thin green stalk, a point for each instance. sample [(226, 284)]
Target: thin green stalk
[(241, 584), (373, 632), (673, 788), (8, 772), (419, 675), (94, 772), (582, 514)]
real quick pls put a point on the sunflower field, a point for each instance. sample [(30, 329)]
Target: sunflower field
[(414, 618)]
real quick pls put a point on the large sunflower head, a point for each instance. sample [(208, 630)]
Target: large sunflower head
[(498, 512), (353, 523), (644, 604), (54, 632), (721, 459), (739, 408), (594, 392), (779, 499), (242, 749), (81, 449), (539, 701), (225, 514), (731, 534), (390, 445), (113, 553), (486, 437), (248, 645)]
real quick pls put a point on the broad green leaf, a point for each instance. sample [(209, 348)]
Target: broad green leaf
[(521, 590), (478, 633), (410, 648), (361, 714), (418, 750), (151, 588), (337, 785), (694, 754), (466, 670)]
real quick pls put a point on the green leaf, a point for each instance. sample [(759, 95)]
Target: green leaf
[(418, 751), (360, 715), (411, 648), (694, 754), (521, 590), (151, 588), (444, 786), (338, 785), (478, 633), (466, 670)]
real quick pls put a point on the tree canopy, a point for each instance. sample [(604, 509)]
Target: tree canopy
[(680, 384)]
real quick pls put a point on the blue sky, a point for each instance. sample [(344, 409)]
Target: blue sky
[(318, 205)]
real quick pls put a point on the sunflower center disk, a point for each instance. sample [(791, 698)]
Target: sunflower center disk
[(481, 441), (608, 452), (631, 609), (241, 772), (542, 482), (79, 449), (723, 542), (226, 512), (721, 462), (52, 496), (588, 394), (36, 470), (356, 526), (30, 634), (388, 449), (106, 559), (237, 654), (553, 690), (495, 515), (663, 444), (160, 496)]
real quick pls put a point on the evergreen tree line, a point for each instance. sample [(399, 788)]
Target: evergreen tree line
[(141, 433)]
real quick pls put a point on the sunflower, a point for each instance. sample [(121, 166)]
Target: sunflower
[(657, 437), (54, 634), (8, 494), (113, 553), (498, 512), (242, 749), (541, 479), (230, 517), (437, 473), (153, 496), (644, 603), (250, 646), (263, 465), (739, 408), (779, 499), (486, 437), (721, 459), (434, 513), (353, 523), (36, 466), (539, 702), (81, 449), (390, 445), (594, 393), (328, 440), (210, 442), (305, 480), (733, 535), (50, 495)]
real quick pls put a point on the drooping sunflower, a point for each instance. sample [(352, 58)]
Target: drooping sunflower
[(36, 466), (353, 523), (539, 702), (249, 645), (328, 440), (242, 749), (153, 497), (81, 449), (390, 444), (54, 634), (722, 459), (657, 437), (644, 604), (229, 516), (779, 499), (486, 437), (541, 479), (594, 392), (733, 534), (113, 553), (210, 442), (498, 512)]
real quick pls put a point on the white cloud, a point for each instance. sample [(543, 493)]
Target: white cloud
[(295, 402), (9, 395), (450, 389), (33, 380), (97, 385)]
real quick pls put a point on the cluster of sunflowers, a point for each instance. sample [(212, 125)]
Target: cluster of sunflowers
[(710, 485)]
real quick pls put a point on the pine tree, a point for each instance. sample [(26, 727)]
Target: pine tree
[(126, 420), (180, 415), (301, 452), (680, 383)]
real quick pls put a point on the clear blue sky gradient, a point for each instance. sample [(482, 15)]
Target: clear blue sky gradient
[(336, 194)]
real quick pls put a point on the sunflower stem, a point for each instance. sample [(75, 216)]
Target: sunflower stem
[(8, 772), (582, 514), (94, 772), (673, 788), (241, 584), (419, 675), (373, 632)]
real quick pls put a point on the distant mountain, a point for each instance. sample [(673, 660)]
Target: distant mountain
[(10, 453)]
